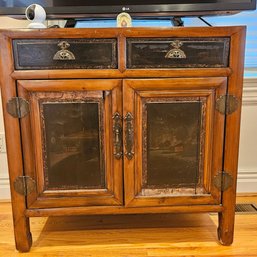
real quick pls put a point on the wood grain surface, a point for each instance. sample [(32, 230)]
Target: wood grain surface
[(42, 80), (160, 235)]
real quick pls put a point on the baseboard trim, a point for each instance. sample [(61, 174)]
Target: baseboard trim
[(4, 188), (250, 92), (247, 181)]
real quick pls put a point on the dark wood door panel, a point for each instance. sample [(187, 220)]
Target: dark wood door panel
[(174, 133), (69, 150)]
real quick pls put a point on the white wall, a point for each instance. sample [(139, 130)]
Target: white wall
[(4, 181), (247, 177)]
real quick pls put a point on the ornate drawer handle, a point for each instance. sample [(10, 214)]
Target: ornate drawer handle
[(117, 135), (175, 52), (64, 54), (129, 136)]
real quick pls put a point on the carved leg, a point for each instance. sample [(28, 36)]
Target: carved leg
[(226, 226), (23, 238)]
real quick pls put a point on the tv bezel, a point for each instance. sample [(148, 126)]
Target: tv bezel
[(151, 10)]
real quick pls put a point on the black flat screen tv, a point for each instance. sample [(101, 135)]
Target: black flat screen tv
[(136, 8)]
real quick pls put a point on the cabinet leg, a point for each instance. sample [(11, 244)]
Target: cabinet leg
[(226, 227), (23, 238)]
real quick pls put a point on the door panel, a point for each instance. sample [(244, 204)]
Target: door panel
[(172, 144), (72, 143), (71, 154), (176, 127)]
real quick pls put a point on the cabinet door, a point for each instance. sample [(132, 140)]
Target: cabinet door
[(67, 140), (173, 137)]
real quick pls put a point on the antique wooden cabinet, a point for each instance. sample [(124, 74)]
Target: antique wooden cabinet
[(120, 121)]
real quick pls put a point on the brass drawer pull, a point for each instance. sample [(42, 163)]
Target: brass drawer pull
[(64, 54), (117, 135), (175, 52), (129, 136)]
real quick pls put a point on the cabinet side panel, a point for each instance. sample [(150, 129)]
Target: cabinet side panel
[(235, 82), (14, 150)]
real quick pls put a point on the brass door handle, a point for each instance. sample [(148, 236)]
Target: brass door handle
[(117, 135), (129, 136)]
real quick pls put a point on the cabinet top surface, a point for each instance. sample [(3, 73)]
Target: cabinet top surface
[(114, 32)]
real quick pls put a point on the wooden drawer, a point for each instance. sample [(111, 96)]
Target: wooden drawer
[(65, 54), (177, 53)]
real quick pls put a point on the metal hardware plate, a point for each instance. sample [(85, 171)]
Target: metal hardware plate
[(227, 104), (24, 185), (64, 53), (223, 181), (129, 135), (18, 107), (175, 52), (117, 135)]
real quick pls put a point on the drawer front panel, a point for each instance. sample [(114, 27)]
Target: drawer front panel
[(177, 53), (65, 54)]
